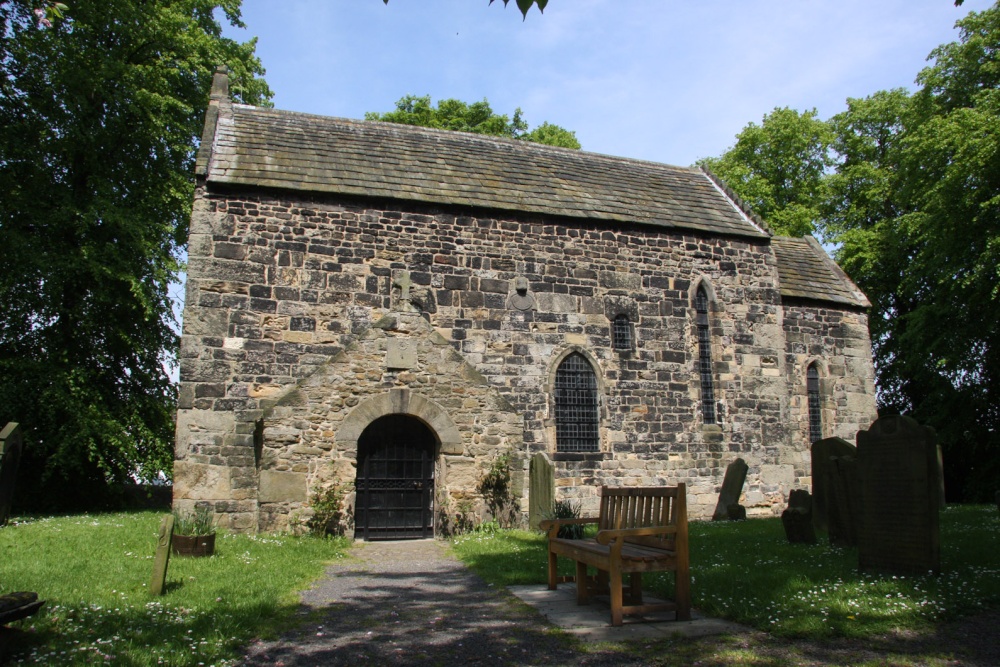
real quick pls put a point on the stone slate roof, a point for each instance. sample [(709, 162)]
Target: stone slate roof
[(805, 271), (280, 149)]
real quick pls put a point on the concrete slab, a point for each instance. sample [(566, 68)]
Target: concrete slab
[(592, 622)]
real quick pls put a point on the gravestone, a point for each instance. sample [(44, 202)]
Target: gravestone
[(898, 488), (732, 489), (10, 457), (843, 501), (822, 451), (541, 491), (797, 518), (158, 582)]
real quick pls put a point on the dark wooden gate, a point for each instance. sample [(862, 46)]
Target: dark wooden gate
[(395, 484)]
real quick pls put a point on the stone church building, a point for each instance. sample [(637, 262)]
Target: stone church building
[(390, 308)]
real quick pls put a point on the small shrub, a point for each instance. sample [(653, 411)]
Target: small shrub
[(197, 522), (567, 509), (458, 520), (495, 487), (330, 517)]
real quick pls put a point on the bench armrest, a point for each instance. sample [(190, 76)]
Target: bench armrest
[(551, 526), (610, 535)]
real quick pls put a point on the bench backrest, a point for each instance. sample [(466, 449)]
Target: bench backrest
[(644, 507)]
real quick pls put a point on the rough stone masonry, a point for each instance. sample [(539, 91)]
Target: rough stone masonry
[(630, 320)]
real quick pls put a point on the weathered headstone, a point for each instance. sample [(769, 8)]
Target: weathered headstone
[(822, 451), (736, 512), (162, 558), (732, 489), (843, 501), (898, 487), (797, 518), (10, 457), (542, 489)]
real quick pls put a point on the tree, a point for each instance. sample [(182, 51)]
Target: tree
[(525, 5), (477, 117), (99, 119), (913, 202), (779, 168)]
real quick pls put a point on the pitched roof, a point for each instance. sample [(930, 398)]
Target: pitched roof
[(288, 150), (805, 271)]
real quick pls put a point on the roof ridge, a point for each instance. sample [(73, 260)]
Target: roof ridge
[(738, 201), (477, 136)]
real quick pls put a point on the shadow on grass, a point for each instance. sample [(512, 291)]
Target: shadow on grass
[(154, 634)]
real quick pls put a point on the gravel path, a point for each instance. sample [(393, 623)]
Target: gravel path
[(412, 603)]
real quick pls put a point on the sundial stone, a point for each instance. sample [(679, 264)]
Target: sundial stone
[(400, 354), (520, 298)]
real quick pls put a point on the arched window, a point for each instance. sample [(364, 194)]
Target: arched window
[(705, 355), (815, 414), (576, 406), (621, 333)]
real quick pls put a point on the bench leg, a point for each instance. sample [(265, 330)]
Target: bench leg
[(682, 591), (553, 570), (615, 576), (582, 585)]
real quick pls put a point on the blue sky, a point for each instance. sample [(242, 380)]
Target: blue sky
[(664, 80)]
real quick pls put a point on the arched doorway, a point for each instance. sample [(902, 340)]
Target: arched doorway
[(395, 483)]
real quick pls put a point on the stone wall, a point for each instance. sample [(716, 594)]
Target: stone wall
[(285, 331)]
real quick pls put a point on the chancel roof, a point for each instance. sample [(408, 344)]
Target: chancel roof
[(805, 271)]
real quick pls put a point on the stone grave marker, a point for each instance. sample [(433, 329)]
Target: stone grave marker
[(10, 457), (843, 501), (158, 581), (797, 518), (541, 490), (898, 484), (822, 451), (732, 489)]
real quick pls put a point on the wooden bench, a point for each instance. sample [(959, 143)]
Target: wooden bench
[(639, 530), (15, 606)]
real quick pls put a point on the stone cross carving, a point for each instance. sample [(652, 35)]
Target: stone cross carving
[(407, 296), (402, 281)]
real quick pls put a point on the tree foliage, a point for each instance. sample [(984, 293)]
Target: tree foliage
[(477, 117), (912, 199), (778, 167), (525, 5), (99, 118)]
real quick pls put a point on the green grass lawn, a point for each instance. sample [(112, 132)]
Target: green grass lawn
[(748, 572), (94, 572)]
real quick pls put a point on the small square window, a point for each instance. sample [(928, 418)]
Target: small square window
[(621, 333)]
